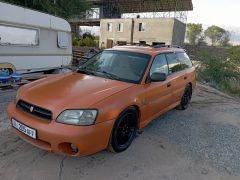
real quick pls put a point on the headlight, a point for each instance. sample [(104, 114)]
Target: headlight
[(78, 117)]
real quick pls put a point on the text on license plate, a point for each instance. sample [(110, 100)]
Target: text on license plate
[(24, 129)]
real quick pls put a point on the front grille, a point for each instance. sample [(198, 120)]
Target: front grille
[(35, 110)]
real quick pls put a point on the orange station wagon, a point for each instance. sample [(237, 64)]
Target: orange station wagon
[(105, 102)]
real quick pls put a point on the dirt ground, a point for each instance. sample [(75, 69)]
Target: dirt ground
[(200, 143)]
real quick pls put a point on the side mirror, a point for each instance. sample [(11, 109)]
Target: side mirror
[(157, 77)]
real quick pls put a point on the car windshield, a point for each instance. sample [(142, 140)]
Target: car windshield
[(117, 65)]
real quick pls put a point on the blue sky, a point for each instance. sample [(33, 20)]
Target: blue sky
[(216, 12)]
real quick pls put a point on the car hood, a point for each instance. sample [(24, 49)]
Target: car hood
[(70, 91)]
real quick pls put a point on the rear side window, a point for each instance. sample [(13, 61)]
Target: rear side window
[(173, 63), (178, 62), (159, 65), (184, 59)]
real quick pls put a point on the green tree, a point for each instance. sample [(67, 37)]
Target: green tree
[(217, 35), (201, 41), (194, 32), (62, 8), (225, 39)]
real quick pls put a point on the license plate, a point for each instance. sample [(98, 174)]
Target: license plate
[(24, 129)]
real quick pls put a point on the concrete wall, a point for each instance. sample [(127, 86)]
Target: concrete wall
[(168, 30), (179, 30), (156, 30), (115, 35)]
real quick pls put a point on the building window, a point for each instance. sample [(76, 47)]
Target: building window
[(141, 27), (18, 36), (120, 27), (109, 27)]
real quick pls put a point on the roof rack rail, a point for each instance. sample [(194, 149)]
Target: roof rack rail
[(158, 44), (154, 45), (141, 44), (175, 46), (168, 46)]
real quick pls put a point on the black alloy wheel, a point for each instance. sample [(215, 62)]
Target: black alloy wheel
[(124, 130)]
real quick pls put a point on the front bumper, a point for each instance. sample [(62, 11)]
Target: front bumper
[(57, 137)]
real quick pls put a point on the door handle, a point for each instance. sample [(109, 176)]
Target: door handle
[(185, 77), (169, 84)]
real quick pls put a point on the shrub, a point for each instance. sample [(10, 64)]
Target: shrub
[(89, 42), (88, 35), (75, 41), (234, 55), (86, 40), (221, 73)]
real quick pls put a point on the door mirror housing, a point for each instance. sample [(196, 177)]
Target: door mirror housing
[(158, 77)]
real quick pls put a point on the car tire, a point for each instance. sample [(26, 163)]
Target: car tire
[(124, 130), (186, 98)]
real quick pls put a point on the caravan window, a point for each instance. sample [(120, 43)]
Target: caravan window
[(10, 35), (63, 41)]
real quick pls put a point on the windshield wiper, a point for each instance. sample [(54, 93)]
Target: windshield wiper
[(85, 71), (109, 75), (91, 72)]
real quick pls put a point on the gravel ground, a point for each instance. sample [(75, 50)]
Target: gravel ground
[(5, 98), (199, 143)]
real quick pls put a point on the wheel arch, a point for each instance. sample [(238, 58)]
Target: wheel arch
[(138, 113), (8, 66), (136, 107), (190, 83)]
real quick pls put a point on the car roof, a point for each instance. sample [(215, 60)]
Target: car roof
[(151, 50)]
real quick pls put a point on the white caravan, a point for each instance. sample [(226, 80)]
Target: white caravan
[(32, 41)]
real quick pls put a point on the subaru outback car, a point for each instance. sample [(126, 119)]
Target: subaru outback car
[(105, 102)]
